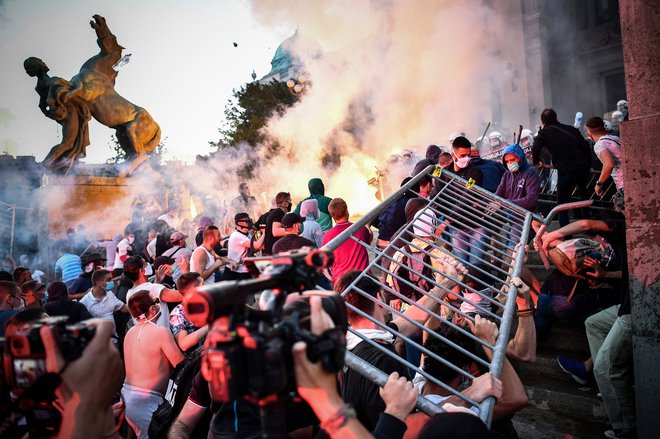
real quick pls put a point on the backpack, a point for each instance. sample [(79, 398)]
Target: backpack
[(569, 256), (182, 377), (403, 268)]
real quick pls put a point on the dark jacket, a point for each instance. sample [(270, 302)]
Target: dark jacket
[(492, 172), (520, 187), (432, 155), (569, 150)]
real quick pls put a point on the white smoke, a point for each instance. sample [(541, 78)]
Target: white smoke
[(393, 75)]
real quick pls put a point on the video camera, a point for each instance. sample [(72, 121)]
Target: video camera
[(248, 351), (30, 386)]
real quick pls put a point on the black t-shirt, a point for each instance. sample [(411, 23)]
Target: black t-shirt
[(76, 311), (559, 284), (275, 216), (82, 284), (240, 418), (291, 242), (363, 394)]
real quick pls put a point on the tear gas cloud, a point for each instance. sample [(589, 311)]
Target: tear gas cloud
[(391, 75)]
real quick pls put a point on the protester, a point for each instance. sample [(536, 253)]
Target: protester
[(68, 266), (100, 301), (245, 202), (134, 270), (274, 229), (171, 217), (293, 224), (392, 218), (317, 192), (311, 229), (608, 150), (241, 244), (432, 155), (203, 223), (187, 335), (10, 302), (91, 262), (468, 235), (124, 251), (492, 171), (571, 157), (33, 294), (205, 260), (177, 251), (350, 255), (59, 304), (150, 354)]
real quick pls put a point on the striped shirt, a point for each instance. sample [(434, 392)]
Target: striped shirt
[(69, 266)]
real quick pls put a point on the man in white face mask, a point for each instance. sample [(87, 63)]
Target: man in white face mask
[(461, 166)]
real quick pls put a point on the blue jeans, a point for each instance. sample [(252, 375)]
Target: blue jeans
[(472, 253), (552, 308)]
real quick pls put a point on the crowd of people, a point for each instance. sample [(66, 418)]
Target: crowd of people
[(133, 292)]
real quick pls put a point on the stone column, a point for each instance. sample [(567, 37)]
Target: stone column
[(640, 21)]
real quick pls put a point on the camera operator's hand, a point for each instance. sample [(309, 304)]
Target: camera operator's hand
[(88, 383), (399, 395)]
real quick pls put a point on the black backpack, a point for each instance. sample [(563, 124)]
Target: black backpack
[(418, 263), (183, 376)]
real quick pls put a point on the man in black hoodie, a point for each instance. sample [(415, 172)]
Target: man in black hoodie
[(571, 157)]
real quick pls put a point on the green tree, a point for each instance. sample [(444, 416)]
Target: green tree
[(247, 112)]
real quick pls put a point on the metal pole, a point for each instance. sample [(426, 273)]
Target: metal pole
[(13, 226)]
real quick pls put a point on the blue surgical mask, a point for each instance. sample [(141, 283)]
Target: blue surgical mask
[(513, 167), (109, 286)]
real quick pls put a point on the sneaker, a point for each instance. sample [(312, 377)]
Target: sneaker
[(574, 368), (623, 433)]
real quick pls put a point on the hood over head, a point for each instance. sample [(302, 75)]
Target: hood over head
[(310, 208), (518, 152), (316, 187), (432, 153)]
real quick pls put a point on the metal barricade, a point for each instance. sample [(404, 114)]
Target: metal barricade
[(446, 227), (548, 189)]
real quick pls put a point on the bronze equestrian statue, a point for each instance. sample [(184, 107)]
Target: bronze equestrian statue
[(91, 93)]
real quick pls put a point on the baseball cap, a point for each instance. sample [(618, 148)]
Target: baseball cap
[(290, 219), (177, 236)]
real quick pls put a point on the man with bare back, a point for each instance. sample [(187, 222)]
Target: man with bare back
[(150, 354)]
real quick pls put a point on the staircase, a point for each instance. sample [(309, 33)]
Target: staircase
[(558, 407)]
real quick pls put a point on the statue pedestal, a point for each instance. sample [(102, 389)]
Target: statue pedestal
[(102, 204)]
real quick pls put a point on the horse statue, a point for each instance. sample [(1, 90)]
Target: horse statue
[(91, 93)]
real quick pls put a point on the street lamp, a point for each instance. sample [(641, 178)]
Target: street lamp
[(297, 86)]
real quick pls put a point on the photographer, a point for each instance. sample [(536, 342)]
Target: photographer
[(241, 242), (86, 394)]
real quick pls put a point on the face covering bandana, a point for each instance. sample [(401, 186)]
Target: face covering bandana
[(513, 167), (462, 162)]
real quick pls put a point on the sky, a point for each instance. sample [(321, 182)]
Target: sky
[(183, 67)]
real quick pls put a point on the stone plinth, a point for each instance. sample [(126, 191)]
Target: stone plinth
[(640, 21), (102, 204)]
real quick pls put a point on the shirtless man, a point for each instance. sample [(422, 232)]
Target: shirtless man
[(150, 354), (204, 260)]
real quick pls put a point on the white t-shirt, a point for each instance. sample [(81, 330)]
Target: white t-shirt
[(122, 250), (419, 380), (236, 250), (613, 145), (151, 248), (154, 292)]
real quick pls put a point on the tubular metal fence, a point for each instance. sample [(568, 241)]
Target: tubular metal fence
[(464, 223), (12, 218)]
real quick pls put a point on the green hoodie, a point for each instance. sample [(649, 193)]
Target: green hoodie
[(317, 192)]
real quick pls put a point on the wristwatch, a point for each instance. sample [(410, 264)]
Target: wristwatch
[(598, 183)]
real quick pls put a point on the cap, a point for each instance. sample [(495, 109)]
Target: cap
[(177, 236), (205, 221), (163, 260), (424, 222), (290, 219)]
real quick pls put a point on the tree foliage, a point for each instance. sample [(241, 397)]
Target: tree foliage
[(248, 111)]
